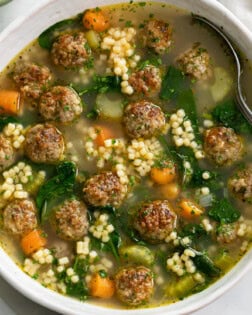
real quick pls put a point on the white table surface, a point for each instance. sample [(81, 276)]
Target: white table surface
[(237, 301)]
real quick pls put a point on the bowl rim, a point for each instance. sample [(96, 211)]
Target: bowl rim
[(57, 302)]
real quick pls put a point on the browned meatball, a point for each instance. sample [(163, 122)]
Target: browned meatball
[(44, 144), (70, 220), (158, 36), (223, 145), (241, 184), (104, 189), (32, 79), (155, 221), (143, 119), (146, 81), (196, 62), (70, 50), (19, 217), (134, 285), (60, 103), (7, 156)]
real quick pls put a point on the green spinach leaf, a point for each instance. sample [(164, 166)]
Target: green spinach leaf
[(223, 211)]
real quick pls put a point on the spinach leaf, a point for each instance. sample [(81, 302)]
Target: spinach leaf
[(5, 120), (57, 186), (227, 114), (205, 264), (47, 38), (152, 60), (193, 230), (101, 84), (223, 211), (78, 289), (172, 83)]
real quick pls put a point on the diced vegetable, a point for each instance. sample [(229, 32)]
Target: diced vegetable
[(102, 286), (170, 191), (223, 211), (95, 20), (181, 287), (60, 185), (110, 105), (222, 85), (47, 38), (93, 39), (224, 261), (227, 114), (9, 102), (103, 133), (164, 174), (138, 254), (190, 209), (36, 181), (33, 241)]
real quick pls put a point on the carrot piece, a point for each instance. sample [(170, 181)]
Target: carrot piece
[(164, 175), (170, 191), (33, 241), (190, 209), (95, 20), (102, 287), (103, 133), (9, 102)]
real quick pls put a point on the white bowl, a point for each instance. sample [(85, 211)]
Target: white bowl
[(16, 37)]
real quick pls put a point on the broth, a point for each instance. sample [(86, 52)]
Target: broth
[(200, 244)]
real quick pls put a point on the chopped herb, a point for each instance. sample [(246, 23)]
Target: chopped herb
[(93, 114), (128, 24), (103, 273), (102, 84)]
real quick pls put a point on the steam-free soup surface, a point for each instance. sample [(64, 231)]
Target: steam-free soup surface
[(126, 174)]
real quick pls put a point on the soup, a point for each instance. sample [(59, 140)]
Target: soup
[(126, 175)]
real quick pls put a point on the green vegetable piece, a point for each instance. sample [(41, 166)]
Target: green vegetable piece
[(228, 115), (152, 60), (205, 264), (93, 39), (223, 211), (110, 105), (172, 84), (193, 230), (5, 120), (181, 287), (47, 38), (222, 85), (138, 254), (224, 261), (60, 185), (36, 181)]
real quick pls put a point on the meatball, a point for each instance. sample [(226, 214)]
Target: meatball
[(60, 103), (44, 144), (241, 184), (158, 36), (70, 220), (227, 233), (104, 189), (70, 50), (19, 217), (155, 221), (32, 79), (146, 81), (223, 145), (7, 156), (143, 119), (196, 62), (134, 285)]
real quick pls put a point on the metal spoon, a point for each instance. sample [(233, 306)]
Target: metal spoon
[(243, 106)]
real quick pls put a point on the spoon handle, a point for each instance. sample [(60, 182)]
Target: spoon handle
[(241, 103)]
